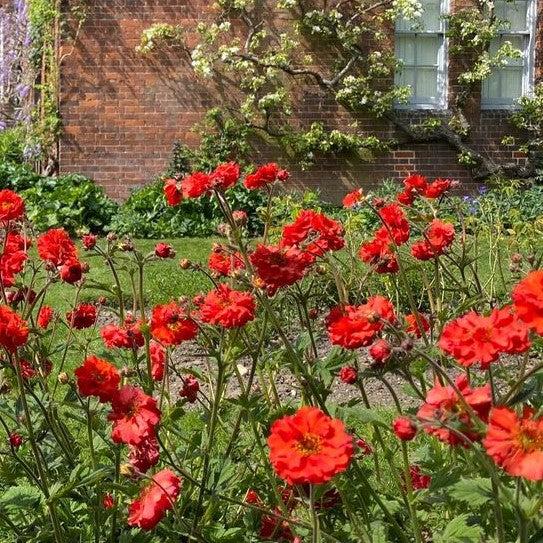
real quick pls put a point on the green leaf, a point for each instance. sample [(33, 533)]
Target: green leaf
[(459, 531), (475, 492), (20, 497)]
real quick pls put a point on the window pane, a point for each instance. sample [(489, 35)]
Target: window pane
[(491, 87), (405, 49), (427, 50), (429, 22), (518, 42), (514, 13), (512, 83), (427, 83), (406, 78)]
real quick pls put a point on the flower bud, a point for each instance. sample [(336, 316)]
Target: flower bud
[(63, 378), (404, 429), (348, 375), (185, 264)]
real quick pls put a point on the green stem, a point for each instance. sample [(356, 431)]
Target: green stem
[(315, 525)]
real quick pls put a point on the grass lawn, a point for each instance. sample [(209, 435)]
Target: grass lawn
[(164, 279)]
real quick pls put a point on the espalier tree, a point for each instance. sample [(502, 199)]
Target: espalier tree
[(344, 48)]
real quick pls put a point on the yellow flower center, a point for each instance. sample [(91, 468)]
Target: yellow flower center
[(309, 444), (530, 438)]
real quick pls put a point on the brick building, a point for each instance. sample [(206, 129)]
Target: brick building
[(122, 111)]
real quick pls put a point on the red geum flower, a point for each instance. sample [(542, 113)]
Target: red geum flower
[(196, 184), (222, 262), (126, 336), (145, 455), (56, 247), (108, 501), (13, 329), (98, 377), (438, 187), (438, 237), (444, 411), (83, 316), (313, 233), (404, 428), (12, 206), (190, 389), (158, 360), (29, 371), (380, 351), (473, 338), (240, 217), (364, 446), (395, 221), (149, 508), (252, 497), (171, 325), (15, 440), (173, 191), (419, 481), (356, 326), (348, 375), (412, 321), (528, 300), (89, 241), (71, 271), (416, 182), (515, 443), (225, 175), (309, 447), (13, 257), (228, 308), (378, 254), (134, 415), (353, 198), (274, 528), (407, 196), (265, 175), (164, 250), (279, 266), (45, 316)]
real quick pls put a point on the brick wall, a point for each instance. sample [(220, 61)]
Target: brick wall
[(122, 112)]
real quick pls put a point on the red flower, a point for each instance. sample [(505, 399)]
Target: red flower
[(240, 217), (515, 442), (396, 225), (364, 446), (314, 233), (15, 440), (407, 197), (473, 339), (13, 257), (223, 262), (377, 253), (12, 206), (164, 250), (438, 237), (444, 410), (83, 316), (226, 175), (265, 175), (13, 329), (279, 266), (71, 271), (56, 247), (155, 500), (171, 325), (309, 447), (158, 360), (89, 241), (29, 371), (97, 377), (348, 375), (275, 529), (108, 501), (145, 455), (351, 199), (528, 300), (416, 182), (438, 187), (127, 336), (196, 184), (252, 497), (404, 428), (419, 481), (356, 326), (380, 351), (413, 327), (173, 191), (134, 415), (190, 389), (227, 308)]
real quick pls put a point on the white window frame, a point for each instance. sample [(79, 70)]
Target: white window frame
[(528, 72), (441, 101)]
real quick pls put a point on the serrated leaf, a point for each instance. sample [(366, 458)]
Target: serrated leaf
[(476, 491), (20, 497), (459, 531)]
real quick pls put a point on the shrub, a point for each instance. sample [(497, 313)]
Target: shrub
[(71, 201), (179, 420)]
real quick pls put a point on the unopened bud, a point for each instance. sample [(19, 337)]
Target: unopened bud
[(185, 264), (127, 470), (63, 378)]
